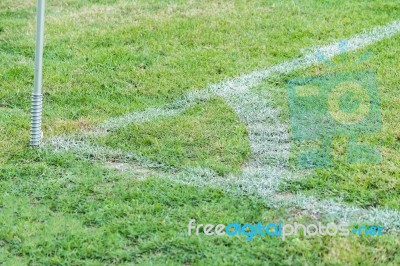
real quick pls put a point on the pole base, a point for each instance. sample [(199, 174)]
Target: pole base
[(36, 119)]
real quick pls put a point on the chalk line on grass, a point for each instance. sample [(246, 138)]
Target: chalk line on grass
[(269, 139), (261, 189), (246, 81)]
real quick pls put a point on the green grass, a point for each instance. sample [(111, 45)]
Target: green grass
[(106, 58), (207, 135), (60, 210)]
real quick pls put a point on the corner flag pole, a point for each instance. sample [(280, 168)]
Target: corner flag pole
[(37, 98)]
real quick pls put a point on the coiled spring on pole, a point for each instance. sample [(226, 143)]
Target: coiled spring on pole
[(36, 122)]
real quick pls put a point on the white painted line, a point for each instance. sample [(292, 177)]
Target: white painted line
[(99, 153), (269, 139), (244, 82), (258, 188)]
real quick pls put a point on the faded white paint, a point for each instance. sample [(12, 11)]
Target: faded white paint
[(269, 139)]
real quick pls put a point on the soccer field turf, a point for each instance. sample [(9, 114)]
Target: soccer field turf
[(159, 112)]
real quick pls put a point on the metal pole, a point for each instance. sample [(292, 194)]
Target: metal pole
[(37, 98)]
